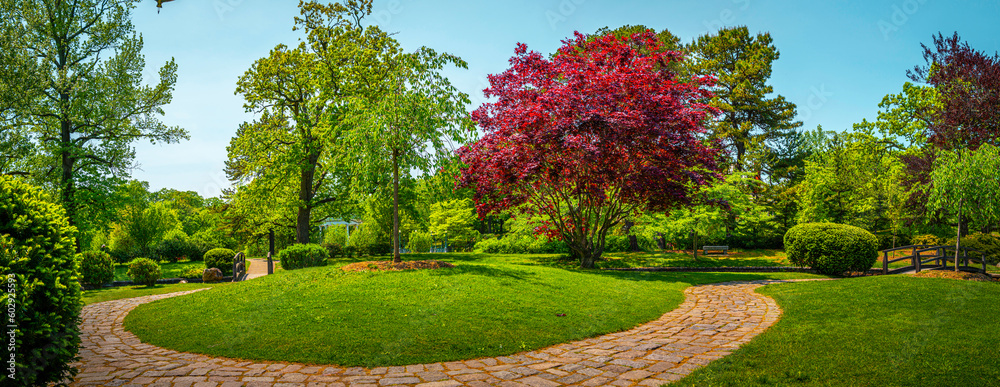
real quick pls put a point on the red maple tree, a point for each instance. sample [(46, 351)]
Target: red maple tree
[(588, 137), (968, 85)]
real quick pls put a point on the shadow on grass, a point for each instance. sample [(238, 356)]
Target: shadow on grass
[(487, 271), (692, 278)]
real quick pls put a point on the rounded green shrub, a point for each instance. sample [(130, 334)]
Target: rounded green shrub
[(97, 268), (302, 255), (220, 258), (144, 271), (831, 248), (40, 273), (420, 242)]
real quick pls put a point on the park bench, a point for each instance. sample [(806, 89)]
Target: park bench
[(723, 249)]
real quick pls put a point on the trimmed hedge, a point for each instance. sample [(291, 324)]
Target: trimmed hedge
[(144, 271), (302, 255), (831, 248), (97, 268), (220, 258), (38, 258)]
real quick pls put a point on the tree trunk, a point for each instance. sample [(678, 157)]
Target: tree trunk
[(395, 206), (694, 241), (305, 199), (958, 239), (67, 181)]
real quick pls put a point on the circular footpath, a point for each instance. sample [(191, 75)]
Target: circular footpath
[(712, 322)]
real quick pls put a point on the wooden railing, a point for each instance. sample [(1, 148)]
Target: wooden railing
[(239, 267), (939, 256)]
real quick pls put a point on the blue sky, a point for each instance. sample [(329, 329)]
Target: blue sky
[(838, 58)]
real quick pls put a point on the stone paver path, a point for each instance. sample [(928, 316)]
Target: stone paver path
[(712, 322)]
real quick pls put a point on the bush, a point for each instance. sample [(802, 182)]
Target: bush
[(616, 244), (192, 273), (37, 248), (302, 255), (988, 244), (420, 242), (927, 239), (831, 248), (220, 258), (97, 268), (175, 246), (333, 250), (144, 271)]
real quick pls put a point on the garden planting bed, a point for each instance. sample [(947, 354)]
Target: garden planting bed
[(395, 266)]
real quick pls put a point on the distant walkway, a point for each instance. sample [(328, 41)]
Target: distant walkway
[(713, 321), (258, 268)]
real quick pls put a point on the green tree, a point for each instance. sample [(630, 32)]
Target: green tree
[(454, 220), (415, 120), (966, 185), (140, 228), (751, 121), (94, 104), (290, 145)]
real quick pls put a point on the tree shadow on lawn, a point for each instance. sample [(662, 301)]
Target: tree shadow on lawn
[(692, 278), (487, 271)]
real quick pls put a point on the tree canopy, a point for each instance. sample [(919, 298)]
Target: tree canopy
[(584, 150)]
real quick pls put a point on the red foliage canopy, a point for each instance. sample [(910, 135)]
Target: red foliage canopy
[(969, 85), (601, 128)]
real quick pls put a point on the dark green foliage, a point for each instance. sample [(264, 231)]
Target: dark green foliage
[(220, 258), (97, 268), (302, 255), (334, 249), (521, 245), (176, 247), (831, 248), (37, 247), (616, 244), (144, 271), (988, 244)]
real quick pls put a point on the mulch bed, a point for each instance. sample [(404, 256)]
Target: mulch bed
[(390, 266), (953, 275)]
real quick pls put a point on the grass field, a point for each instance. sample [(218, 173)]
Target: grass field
[(871, 331), (488, 305), (117, 293)]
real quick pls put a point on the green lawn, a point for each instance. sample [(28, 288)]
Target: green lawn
[(871, 331), (167, 270), (488, 305), (116, 293)]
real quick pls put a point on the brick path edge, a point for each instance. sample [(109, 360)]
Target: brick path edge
[(712, 322)]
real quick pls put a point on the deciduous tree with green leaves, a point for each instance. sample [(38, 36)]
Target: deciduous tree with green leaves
[(966, 185), (93, 103)]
